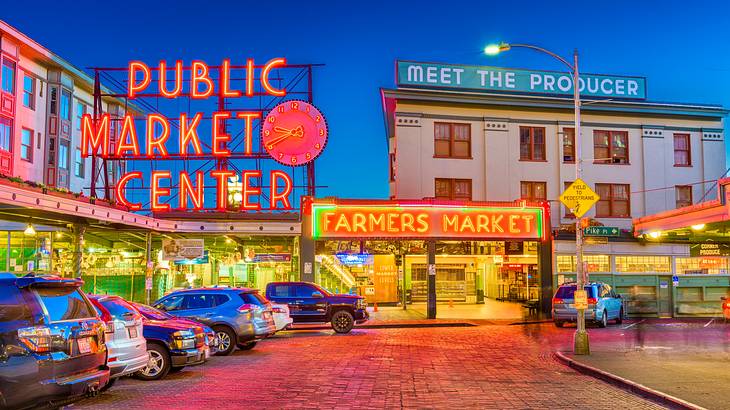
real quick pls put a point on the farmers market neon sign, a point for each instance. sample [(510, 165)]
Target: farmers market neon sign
[(291, 134)]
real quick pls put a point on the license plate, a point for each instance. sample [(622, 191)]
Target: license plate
[(84, 345), (133, 332)]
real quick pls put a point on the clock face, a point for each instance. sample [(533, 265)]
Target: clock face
[(294, 132)]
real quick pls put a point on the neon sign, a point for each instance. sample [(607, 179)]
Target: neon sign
[(293, 133), (421, 221)]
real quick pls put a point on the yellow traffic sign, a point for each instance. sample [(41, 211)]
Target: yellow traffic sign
[(579, 198)]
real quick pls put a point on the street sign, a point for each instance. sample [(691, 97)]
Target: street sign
[(580, 299), (601, 231), (579, 198), (675, 280), (709, 249), (595, 240)]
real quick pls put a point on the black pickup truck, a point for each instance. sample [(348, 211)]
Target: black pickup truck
[(310, 303)]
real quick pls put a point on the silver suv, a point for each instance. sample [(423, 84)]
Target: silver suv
[(239, 316)]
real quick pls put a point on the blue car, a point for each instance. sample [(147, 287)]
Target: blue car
[(239, 316), (603, 304)]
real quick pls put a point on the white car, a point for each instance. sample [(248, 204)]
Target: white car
[(282, 320)]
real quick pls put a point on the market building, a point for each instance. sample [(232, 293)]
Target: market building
[(466, 133)]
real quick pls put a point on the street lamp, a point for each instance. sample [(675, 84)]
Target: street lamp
[(580, 340)]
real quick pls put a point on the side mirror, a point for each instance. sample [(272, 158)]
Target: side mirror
[(317, 295), (723, 298)]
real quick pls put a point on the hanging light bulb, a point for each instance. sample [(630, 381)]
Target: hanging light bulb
[(29, 230)]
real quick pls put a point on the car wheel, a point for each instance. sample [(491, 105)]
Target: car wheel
[(620, 318), (342, 321), (226, 340), (604, 320), (158, 364), (558, 323), (246, 346)]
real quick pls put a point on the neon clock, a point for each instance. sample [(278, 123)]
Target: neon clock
[(294, 133)]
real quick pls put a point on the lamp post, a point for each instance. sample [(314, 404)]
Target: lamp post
[(580, 339)]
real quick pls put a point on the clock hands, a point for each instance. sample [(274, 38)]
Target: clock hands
[(297, 132)]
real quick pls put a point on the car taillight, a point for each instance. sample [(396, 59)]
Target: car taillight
[(592, 301), (109, 326), (277, 309), (246, 308), (37, 338), (557, 300), (727, 305)]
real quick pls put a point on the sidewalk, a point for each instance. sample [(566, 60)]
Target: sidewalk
[(690, 361)]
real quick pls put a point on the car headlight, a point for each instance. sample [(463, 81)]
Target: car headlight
[(184, 339), (361, 304)]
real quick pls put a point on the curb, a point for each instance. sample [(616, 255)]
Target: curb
[(391, 326), (626, 384), (531, 322)]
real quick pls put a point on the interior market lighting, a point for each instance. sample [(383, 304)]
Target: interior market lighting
[(655, 234), (29, 230), (698, 227)]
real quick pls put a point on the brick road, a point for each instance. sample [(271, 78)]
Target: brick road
[(476, 367)]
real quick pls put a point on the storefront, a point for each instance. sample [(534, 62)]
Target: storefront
[(411, 252)]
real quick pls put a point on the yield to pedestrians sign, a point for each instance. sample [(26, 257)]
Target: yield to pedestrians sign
[(579, 198)]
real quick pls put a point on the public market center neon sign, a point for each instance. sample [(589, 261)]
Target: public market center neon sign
[(415, 221), (295, 134)]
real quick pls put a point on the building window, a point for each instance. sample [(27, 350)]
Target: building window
[(614, 202), (65, 105), (80, 111), (452, 140), (54, 100), (447, 188), (640, 264), (26, 144), (682, 154), (8, 76), (568, 144), (29, 92), (684, 195), (532, 144), (63, 155), (533, 191), (714, 265), (6, 134), (392, 166), (611, 147), (593, 263), (78, 163)]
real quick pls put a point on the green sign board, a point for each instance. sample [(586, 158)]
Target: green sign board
[(709, 249), (601, 231), (512, 80)]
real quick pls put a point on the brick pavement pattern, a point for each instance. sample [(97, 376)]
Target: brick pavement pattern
[(506, 367)]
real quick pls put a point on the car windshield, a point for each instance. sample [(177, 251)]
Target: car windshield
[(64, 303), (117, 307), (566, 292), (151, 313)]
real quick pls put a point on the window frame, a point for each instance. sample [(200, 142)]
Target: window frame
[(13, 66), (452, 140), (531, 157), (29, 145), (572, 140), (81, 163), (610, 158), (7, 122), (30, 93), (611, 201), (65, 114), (452, 189), (677, 189), (63, 145), (79, 115), (688, 141), (531, 185)]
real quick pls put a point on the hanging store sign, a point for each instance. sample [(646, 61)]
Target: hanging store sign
[(197, 261), (355, 259), (709, 249), (182, 249), (293, 133), (421, 221), (271, 257), (489, 79)]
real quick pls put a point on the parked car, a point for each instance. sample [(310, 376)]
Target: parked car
[(239, 316), (282, 319), (51, 341), (124, 337), (148, 312), (603, 304), (310, 303), (172, 343), (726, 308)]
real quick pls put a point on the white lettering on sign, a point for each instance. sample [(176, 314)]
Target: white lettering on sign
[(431, 76), (549, 82), (535, 80), (458, 72), (565, 83), (633, 87), (509, 80), (415, 73)]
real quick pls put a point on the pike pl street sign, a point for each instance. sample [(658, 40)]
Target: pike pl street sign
[(601, 231), (579, 198)]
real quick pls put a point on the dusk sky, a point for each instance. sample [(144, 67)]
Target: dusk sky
[(680, 47)]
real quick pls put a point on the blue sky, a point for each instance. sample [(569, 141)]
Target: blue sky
[(681, 47)]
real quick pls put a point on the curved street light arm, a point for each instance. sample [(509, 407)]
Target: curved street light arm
[(557, 57)]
